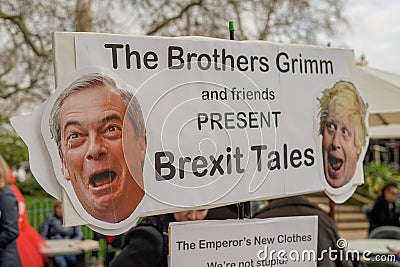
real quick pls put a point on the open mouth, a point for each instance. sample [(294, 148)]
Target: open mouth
[(102, 178), (335, 163)]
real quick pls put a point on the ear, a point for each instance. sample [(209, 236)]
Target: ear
[(64, 167), (359, 148), (142, 141)]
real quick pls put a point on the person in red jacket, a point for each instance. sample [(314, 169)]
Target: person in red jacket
[(9, 256), (29, 241)]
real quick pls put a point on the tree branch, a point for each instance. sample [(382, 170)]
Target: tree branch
[(168, 21), (19, 21), (237, 10), (271, 9)]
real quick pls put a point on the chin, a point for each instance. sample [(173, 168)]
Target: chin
[(334, 182), (337, 182), (107, 219)]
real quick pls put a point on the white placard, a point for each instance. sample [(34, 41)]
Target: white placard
[(225, 121), (247, 243)]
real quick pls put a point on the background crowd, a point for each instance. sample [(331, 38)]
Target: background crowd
[(20, 243)]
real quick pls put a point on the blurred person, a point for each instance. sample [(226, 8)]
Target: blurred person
[(327, 229), (113, 245), (29, 241), (394, 252), (52, 228), (384, 211), (9, 256), (87, 124), (146, 245), (343, 129), (94, 259), (223, 212)]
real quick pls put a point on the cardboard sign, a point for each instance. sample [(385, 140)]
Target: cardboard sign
[(145, 125), (287, 241)]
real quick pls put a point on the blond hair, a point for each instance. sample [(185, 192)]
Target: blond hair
[(345, 96), (4, 173)]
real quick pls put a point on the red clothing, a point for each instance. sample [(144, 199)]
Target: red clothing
[(29, 241)]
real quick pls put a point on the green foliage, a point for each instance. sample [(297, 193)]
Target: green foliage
[(30, 187), (37, 209), (12, 148), (377, 175)]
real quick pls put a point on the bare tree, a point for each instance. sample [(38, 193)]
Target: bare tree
[(286, 21), (25, 56), (83, 18), (26, 72), (26, 27)]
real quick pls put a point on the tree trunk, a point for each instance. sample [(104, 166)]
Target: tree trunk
[(83, 19)]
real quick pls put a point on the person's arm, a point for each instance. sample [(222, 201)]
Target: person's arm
[(144, 249), (52, 228), (44, 228), (78, 233), (9, 218)]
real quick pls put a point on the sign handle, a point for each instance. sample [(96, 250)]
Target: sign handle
[(242, 207)]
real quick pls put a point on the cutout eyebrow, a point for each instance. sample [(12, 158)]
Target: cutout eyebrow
[(71, 122), (103, 120), (112, 117)]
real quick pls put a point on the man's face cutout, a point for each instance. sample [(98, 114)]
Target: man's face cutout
[(339, 149), (92, 153)]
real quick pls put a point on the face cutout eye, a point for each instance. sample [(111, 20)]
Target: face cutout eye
[(113, 131), (112, 128), (72, 136), (74, 139), (346, 134), (331, 127)]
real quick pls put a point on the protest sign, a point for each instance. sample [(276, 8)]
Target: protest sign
[(285, 241), (208, 122)]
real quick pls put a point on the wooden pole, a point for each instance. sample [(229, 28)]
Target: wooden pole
[(332, 209)]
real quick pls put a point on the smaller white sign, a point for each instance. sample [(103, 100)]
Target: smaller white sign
[(286, 241)]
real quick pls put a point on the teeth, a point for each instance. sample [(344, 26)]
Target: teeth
[(102, 178)]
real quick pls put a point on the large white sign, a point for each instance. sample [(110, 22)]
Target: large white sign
[(287, 241), (145, 125)]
